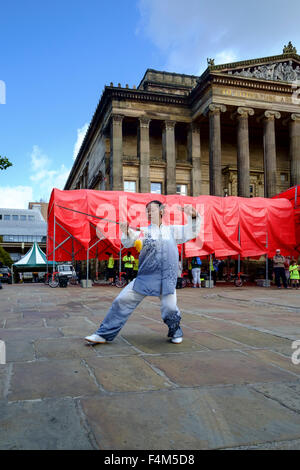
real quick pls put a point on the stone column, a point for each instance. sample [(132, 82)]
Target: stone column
[(269, 142), (243, 155), (215, 159), (116, 153), (169, 155), (294, 129), (194, 156), (143, 152)]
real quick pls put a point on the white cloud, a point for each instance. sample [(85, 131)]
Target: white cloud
[(43, 176), (187, 33), (15, 197), (80, 136)]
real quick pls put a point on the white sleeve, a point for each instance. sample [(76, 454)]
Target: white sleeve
[(129, 240), (189, 231)]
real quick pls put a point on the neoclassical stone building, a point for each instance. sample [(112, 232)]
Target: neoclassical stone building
[(235, 130)]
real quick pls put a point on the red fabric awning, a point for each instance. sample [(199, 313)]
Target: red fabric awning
[(230, 225), (293, 195)]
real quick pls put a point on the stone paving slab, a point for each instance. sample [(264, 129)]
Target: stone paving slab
[(46, 379), (126, 374), (62, 348), (15, 334), (188, 419), (118, 347), (4, 373), (19, 351), (42, 425), (286, 394), (153, 343), (24, 323), (217, 367), (274, 358)]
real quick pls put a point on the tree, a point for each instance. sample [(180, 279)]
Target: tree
[(5, 257), (4, 163)]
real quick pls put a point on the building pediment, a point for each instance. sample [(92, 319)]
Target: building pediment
[(283, 68)]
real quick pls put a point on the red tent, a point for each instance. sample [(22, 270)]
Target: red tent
[(293, 195), (230, 226)]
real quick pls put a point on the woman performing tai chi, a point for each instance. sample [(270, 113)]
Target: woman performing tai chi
[(157, 273)]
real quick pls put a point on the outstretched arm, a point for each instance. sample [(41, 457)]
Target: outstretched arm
[(189, 231), (129, 236)]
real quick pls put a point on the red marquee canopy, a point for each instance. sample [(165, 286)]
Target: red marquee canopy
[(293, 195), (230, 225)]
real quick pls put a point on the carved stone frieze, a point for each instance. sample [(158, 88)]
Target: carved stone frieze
[(278, 71)]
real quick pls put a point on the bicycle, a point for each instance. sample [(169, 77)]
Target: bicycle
[(186, 282), (121, 279), (51, 279), (238, 279)]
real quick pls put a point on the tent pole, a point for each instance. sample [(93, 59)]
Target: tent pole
[(54, 247), (87, 267), (47, 241), (239, 256), (267, 262), (210, 271)]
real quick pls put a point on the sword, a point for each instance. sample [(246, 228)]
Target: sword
[(97, 217)]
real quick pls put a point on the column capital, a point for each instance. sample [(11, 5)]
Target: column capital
[(242, 112), (194, 127), (118, 118), (269, 115), (169, 125), (295, 117), (144, 121), (216, 108)]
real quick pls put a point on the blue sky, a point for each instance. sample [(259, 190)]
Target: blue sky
[(56, 57)]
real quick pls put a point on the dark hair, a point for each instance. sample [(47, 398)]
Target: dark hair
[(160, 204)]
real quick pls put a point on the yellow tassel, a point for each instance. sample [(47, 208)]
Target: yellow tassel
[(138, 245)]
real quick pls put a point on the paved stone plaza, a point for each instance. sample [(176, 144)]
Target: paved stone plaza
[(230, 384)]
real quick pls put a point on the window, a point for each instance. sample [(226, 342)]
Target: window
[(15, 217), (6, 217), (0, 216), (31, 218), (130, 186), (22, 217), (283, 177), (156, 188), (181, 189)]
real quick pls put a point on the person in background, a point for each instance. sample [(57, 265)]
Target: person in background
[(212, 267), (287, 270), (135, 267), (279, 270), (111, 269), (221, 270), (128, 261), (190, 271), (196, 270), (179, 276), (294, 274)]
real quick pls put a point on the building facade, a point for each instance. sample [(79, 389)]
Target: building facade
[(19, 228), (235, 130)]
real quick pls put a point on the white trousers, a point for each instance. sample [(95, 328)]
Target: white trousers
[(127, 301), (196, 276)]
